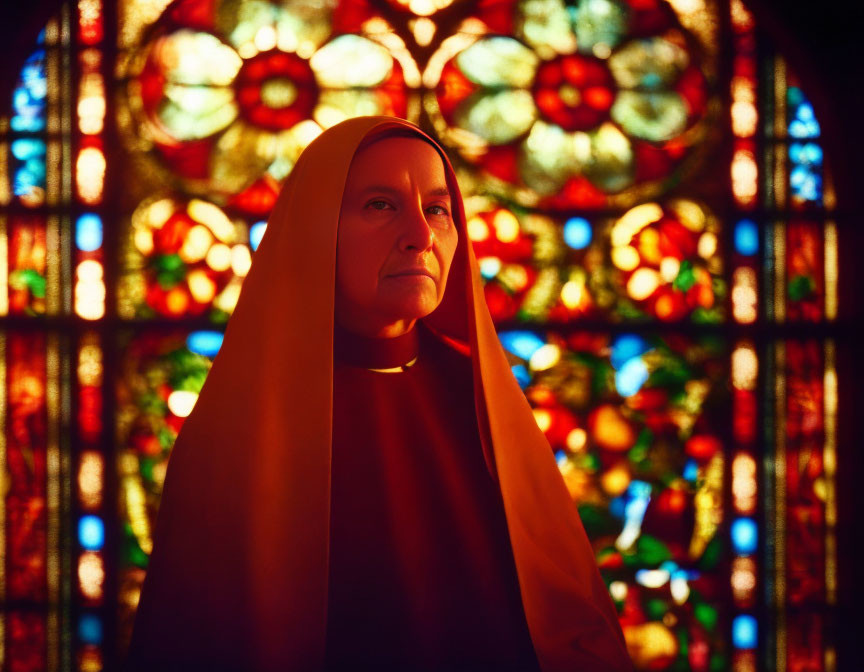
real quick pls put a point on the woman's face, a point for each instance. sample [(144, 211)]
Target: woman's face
[(396, 238)]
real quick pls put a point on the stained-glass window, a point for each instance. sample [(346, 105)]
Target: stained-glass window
[(652, 211)]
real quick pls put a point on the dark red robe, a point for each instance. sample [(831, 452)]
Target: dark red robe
[(421, 574)]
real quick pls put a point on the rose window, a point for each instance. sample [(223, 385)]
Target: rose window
[(575, 112)]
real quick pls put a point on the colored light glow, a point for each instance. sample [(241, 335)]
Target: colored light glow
[(744, 485), (477, 229), (545, 357), (633, 221), (523, 377), (205, 343), (708, 502), (669, 268), (577, 439), (89, 290), (625, 348), (742, 19), (643, 283), (196, 245), (181, 402), (90, 629), (625, 257), (744, 118), (631, 377), (691, 471), (90, 479), (707, 245), (803, 122), (543, 419), (28, 98), (744, 176), (523, 344), (577, 233), (804, 178), (256, 233), (27, 148), (91, 93), (91, 532), (90, 362), (88, 232), (744, 302), (90, 174), (29, 170), (636, 504), (228, 298), (489, 267), (90, 300), (745, 367), (652, 578), (513, 276), (744, 632), (91, 575), (90, 21), (743, 580), (745, 536), (679, 588), (424, 31), (616, 480), (219, 257), (201, 287), (572, 293), (213, 218), (506, 226), (746, 237), (618, 591)]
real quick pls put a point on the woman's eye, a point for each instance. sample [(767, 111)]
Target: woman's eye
[(439, 210), (378, 205)]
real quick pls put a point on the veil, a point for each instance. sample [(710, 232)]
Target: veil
[(238, 574)]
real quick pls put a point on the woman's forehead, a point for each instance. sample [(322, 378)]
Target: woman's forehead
[(397, 159)]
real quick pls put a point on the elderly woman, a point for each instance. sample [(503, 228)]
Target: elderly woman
[(361, 484)]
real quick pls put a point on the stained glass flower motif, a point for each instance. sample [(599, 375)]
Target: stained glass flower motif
[(191, 260), (162, 375), (667, 262), (634, 426), (234, 98), (589, 99)]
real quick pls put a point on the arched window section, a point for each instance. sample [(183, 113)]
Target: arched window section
[(651, 209)]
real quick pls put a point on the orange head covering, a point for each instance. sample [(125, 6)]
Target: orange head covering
[(239, 569)]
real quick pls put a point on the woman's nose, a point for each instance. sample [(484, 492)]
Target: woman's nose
[(415, 231)]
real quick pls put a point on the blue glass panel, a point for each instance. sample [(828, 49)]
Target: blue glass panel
[(746, 237), (521, 343), (577, 233), (805, 176), (256, 232), (745, 536), (206, 343), (88, 232), (802, 119), (28, 168), (91, 533), (28, 97), (744, 632), (625, 348), (90, 629)]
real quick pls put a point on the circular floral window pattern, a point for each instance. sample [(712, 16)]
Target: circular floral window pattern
[(586, 102), (227, 98)]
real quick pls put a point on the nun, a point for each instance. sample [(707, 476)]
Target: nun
[(361, 484)]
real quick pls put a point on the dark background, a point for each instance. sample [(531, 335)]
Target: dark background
[(823, 41)]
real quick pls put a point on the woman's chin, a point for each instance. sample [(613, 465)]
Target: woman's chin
[(413, 308)]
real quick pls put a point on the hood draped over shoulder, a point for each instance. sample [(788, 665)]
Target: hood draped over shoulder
[(238, 574)]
